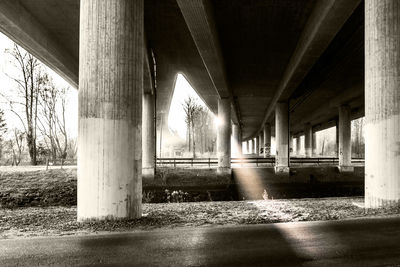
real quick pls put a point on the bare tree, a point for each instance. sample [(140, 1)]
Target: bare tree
[(191, 109), (52, 120), (29, 83), (16, 145)]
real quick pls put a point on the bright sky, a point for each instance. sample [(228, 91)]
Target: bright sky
[(8, 88), (176, 117)]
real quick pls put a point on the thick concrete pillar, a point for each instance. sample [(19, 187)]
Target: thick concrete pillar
[(267, 140), (110, 109), (148, 136), (382, 103), (224, 135), (236, 140), (261, 145), (248, 147), (298, 145), (345, 139), (308, 140), (282, 138), (254, 149)]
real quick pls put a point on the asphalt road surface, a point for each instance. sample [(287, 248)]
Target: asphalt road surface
[(364, 242)]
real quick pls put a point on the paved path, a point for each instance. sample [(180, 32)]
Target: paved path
[(364, 242)]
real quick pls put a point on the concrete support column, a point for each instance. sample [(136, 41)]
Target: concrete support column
[(282, 138), (224, 135), (148, 136), (267, 140), (261, 145), (248, 147), (257, 145), (314, 144), (110, 109), (382, 103), (308, 140), (298, 146), (236, 142), (254, 149), (345, 139)]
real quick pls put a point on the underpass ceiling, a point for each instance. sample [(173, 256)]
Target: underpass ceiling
[(336, 78), (257, 39), (60, 18)]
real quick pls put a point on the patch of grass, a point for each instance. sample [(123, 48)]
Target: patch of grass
[(54, 187), (45, 221)]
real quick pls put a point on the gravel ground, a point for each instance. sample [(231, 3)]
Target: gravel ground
[(54, 221)]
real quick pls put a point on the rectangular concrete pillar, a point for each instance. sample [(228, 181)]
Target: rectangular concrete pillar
[(282, 138), (344, 132), (110, 109), (261, 146), (267, 140), (382, 103), (148, 137), (308, 140), (224, 135), (248, 147)]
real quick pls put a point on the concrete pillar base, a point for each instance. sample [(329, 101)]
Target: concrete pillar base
[(346, 168), (224, 171), (282, 169), (148, 173)]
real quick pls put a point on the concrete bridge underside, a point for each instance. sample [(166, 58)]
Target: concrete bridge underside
[(296, 66)]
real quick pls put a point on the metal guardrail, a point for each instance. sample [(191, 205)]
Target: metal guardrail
[(243, 161)]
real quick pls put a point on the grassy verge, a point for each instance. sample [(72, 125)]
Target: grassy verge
[(22, 187), (50, 221)]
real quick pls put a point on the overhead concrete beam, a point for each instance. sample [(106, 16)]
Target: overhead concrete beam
[(24, 29), (198, 16), (324, 23)]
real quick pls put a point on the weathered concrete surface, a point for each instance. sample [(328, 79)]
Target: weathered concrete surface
[(344, 131), (362, 242), (110, 110), (282, 138), (224, 135), (382, 103)]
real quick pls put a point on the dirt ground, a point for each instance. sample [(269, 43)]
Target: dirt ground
[(55, 221)]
